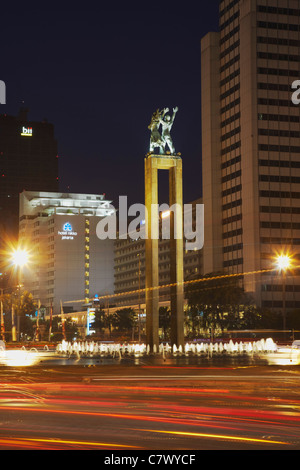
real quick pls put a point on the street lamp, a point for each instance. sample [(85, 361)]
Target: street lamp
[(19, 258), (283, 264)]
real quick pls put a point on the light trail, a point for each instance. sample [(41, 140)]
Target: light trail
[(191, 281), (214, 436), (26, 440), (221, 413)]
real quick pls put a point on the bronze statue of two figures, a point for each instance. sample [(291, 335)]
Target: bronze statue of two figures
[(160, 127)]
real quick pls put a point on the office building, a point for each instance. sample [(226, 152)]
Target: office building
[(130, 268), (68, 263), (250, 146), (28, 161)]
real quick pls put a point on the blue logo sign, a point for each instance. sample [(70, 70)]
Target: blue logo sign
[(67, 227)]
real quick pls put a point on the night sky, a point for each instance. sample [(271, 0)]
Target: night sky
[(98, 74)]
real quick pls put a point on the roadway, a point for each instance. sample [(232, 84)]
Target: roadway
[(150, 404)]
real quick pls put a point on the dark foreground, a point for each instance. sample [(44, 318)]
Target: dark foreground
[(125, 406)]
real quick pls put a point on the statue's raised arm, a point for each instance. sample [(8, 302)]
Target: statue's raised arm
[(161, 118), (166, 125)]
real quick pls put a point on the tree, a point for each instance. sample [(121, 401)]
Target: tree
[(165, 321), (221, 303), (124, 319), (71, 328), (24, 309), (193, 321), (100, 320)]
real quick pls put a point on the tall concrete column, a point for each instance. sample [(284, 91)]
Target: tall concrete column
[(173, 164), (176, 254), (152, 235)]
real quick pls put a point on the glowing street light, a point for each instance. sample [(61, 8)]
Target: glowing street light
[(283, 262), (20, 257)]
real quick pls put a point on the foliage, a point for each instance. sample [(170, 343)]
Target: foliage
[(101, 320), (70, 327), (165, 321), (24, 309), (23, 303), (217, 301), (124, 319)]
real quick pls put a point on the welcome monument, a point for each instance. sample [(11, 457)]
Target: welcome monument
[(160, 127)]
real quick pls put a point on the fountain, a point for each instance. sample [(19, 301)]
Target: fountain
[(264, 348)]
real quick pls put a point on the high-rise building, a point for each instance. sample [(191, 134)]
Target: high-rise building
[(130, 267), (28, 161), (68, 263), (250, 146)]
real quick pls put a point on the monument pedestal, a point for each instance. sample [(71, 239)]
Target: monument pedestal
[(173, 164)]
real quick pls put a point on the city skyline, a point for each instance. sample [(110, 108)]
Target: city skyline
[(225, 68)]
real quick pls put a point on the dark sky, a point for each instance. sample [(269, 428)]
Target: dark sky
[(98, 74)]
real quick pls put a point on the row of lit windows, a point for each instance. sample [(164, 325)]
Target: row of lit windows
[(87, 257)]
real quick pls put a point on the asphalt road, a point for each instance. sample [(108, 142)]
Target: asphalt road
[(132, 405)]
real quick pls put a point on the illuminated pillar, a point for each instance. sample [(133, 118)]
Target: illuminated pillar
[(176, 254), (173, 164)]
